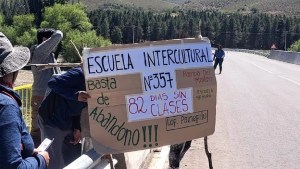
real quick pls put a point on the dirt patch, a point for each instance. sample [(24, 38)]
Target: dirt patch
[(24, 77)]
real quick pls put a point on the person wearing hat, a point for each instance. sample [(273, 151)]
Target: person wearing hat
[(16, 145), (42, 53)]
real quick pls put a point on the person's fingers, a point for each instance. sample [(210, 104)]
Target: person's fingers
[(83, 96), (86, 95), (74, 142)]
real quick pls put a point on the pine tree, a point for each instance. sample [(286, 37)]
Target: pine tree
[(267, 40), (254, 32), (116, 35), (104, 28), (171, 31)]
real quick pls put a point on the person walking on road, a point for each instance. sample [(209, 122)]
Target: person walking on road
[(218, 58), (16, 145), (42, 53)]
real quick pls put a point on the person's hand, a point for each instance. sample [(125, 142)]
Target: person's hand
[(83, 96), (45, 155), (76, 136), (36, 151)]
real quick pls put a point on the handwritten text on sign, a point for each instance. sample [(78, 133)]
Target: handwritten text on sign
[(147, 59), (164, 104), (151, 94), (157, 65)]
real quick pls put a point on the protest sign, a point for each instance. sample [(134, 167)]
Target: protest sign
[(150, 95)]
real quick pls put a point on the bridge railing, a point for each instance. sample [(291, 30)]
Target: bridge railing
[(25, 92), (265, 53)]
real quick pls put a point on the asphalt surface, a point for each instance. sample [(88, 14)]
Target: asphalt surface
[(258, 117)]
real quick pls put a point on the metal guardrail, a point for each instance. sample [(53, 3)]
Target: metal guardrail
[(286, 56), (265, 53), (25, 92)]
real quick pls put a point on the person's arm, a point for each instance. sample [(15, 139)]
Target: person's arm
[(76, 122), (10, 142), (215, 55), (223, 54), (43, 50), (76, 129), (68, 84)]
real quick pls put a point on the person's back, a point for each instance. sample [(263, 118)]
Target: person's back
[(13, 130), (42, 53), (59, 116), (16, 145)]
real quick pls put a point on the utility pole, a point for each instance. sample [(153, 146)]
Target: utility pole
[(200, 36), (133, 26)]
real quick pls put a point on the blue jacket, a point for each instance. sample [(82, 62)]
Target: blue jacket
[(219, 54), (13, 134), (60, 108)]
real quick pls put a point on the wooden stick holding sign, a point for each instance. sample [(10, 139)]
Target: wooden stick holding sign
[(77, 51)]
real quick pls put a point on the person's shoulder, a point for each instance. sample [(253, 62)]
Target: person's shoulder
[(11, 110), (32, 50), (71, 73), (76, 70), (33, 47), (7, 102)]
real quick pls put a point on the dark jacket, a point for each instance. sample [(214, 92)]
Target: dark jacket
[(60, 108), (219, 54), (14, 135)]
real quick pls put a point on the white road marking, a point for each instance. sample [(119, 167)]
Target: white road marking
[(262, 68), (290, 80)]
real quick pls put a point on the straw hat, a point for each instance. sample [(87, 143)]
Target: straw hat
[(11, 58)]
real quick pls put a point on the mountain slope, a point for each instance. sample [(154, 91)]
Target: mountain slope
[(147, 4), (288, 7)]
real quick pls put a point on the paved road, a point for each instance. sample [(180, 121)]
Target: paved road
[(258, 117)]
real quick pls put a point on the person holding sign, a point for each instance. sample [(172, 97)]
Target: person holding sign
[(59, 115), (219, 57), (16, 145), (42, 53)]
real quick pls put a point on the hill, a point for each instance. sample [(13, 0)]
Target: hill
[(146, 4), (287, 7)]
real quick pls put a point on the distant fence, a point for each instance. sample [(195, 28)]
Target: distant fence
[(25, 94)]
